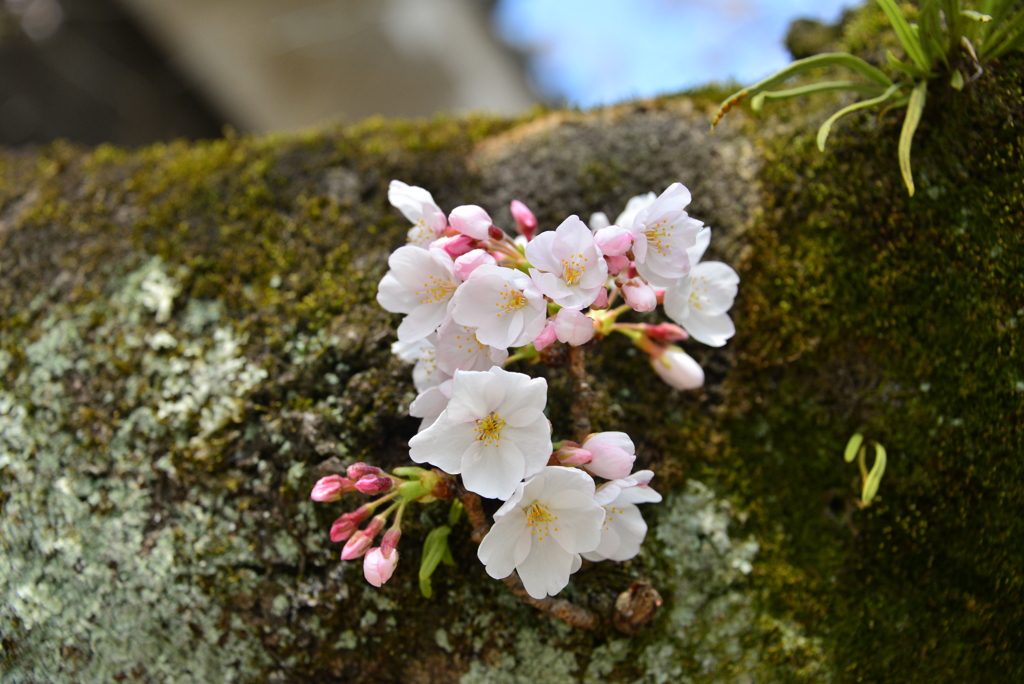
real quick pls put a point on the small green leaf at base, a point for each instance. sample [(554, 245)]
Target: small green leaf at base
[(957, 80), (435, 551), (875, 476)]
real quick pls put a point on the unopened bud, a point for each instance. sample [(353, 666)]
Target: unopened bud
[(602, 299), (639, 295), (666, 332), (617, 264), (496, 233), (572, 454), (526, 222), (331, 488), (344, 526), (374, 484), (390, 541), (357, 470), (379, 566), (362, 540)]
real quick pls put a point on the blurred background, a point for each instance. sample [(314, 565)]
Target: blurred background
[(132, 72)]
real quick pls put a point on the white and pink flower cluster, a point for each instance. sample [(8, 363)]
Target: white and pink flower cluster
[(469, 293)]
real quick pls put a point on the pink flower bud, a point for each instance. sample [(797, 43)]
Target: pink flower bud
[(546, 337), (660, 294), (602, 299), (390, 541), (343, 528), (331, 488), (678, 369), (496, 233), (468, 262), (453, 245), (639, 295), (378, 567), (571, 454), (357, 470), (613, 454), (374, 484), (666, 332), (617, 264), (573, 327), (613, 241), (470, 220), (526, 222), (361, 540)]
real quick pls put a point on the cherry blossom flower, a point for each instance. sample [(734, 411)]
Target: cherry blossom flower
[(378, 567), (569, 266), (459, 349), (624, 528), (471, 220), (662, 233), (420, 283), (417, 205), (493, 431), (633, 207), (700, 301), (541, 530), (639, 295), (573, 327), (503, 305), (546, 336), (678, 369), (612, 454)]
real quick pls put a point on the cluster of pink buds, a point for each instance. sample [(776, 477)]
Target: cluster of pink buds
[(405, 485)]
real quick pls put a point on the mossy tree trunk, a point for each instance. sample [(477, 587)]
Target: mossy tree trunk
[(190, 337)]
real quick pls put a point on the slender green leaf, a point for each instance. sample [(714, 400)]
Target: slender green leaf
[(875, 475), (852, 446), (863, 104), (1002, 36), (858, 87), (435, 550), (906, 35), (799, 67), (933, 37), (908, 69), (455, 512), (898, 103), (914, 109)]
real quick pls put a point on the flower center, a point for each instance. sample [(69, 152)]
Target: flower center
[(488, 430), (610, 513), (573, 268), (420, 233), (435, 290), (539, 518), (654, 233), (513, 299), (697, 300)]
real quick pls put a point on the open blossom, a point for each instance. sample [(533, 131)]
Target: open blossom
[(624, 528), (662, 234), (677, 368), (569, 266), (542, 529), (420, 283), (417, 205), (503, 305), (612, 454), (459, 349), (700, 301), (493, 431)]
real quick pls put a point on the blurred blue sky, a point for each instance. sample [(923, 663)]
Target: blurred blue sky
[(593, 52)]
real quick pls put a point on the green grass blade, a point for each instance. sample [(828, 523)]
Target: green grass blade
[(1006, 38), (906, 35), (798, 67), (976, 16), (908, 69), (858, 87), (931, 35), (914, 109), (864, 104), (875, 476)]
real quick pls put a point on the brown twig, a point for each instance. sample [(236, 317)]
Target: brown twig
[(583, 395), (566, 611)]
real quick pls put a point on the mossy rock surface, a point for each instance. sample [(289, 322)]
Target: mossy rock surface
[(189, 334)]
